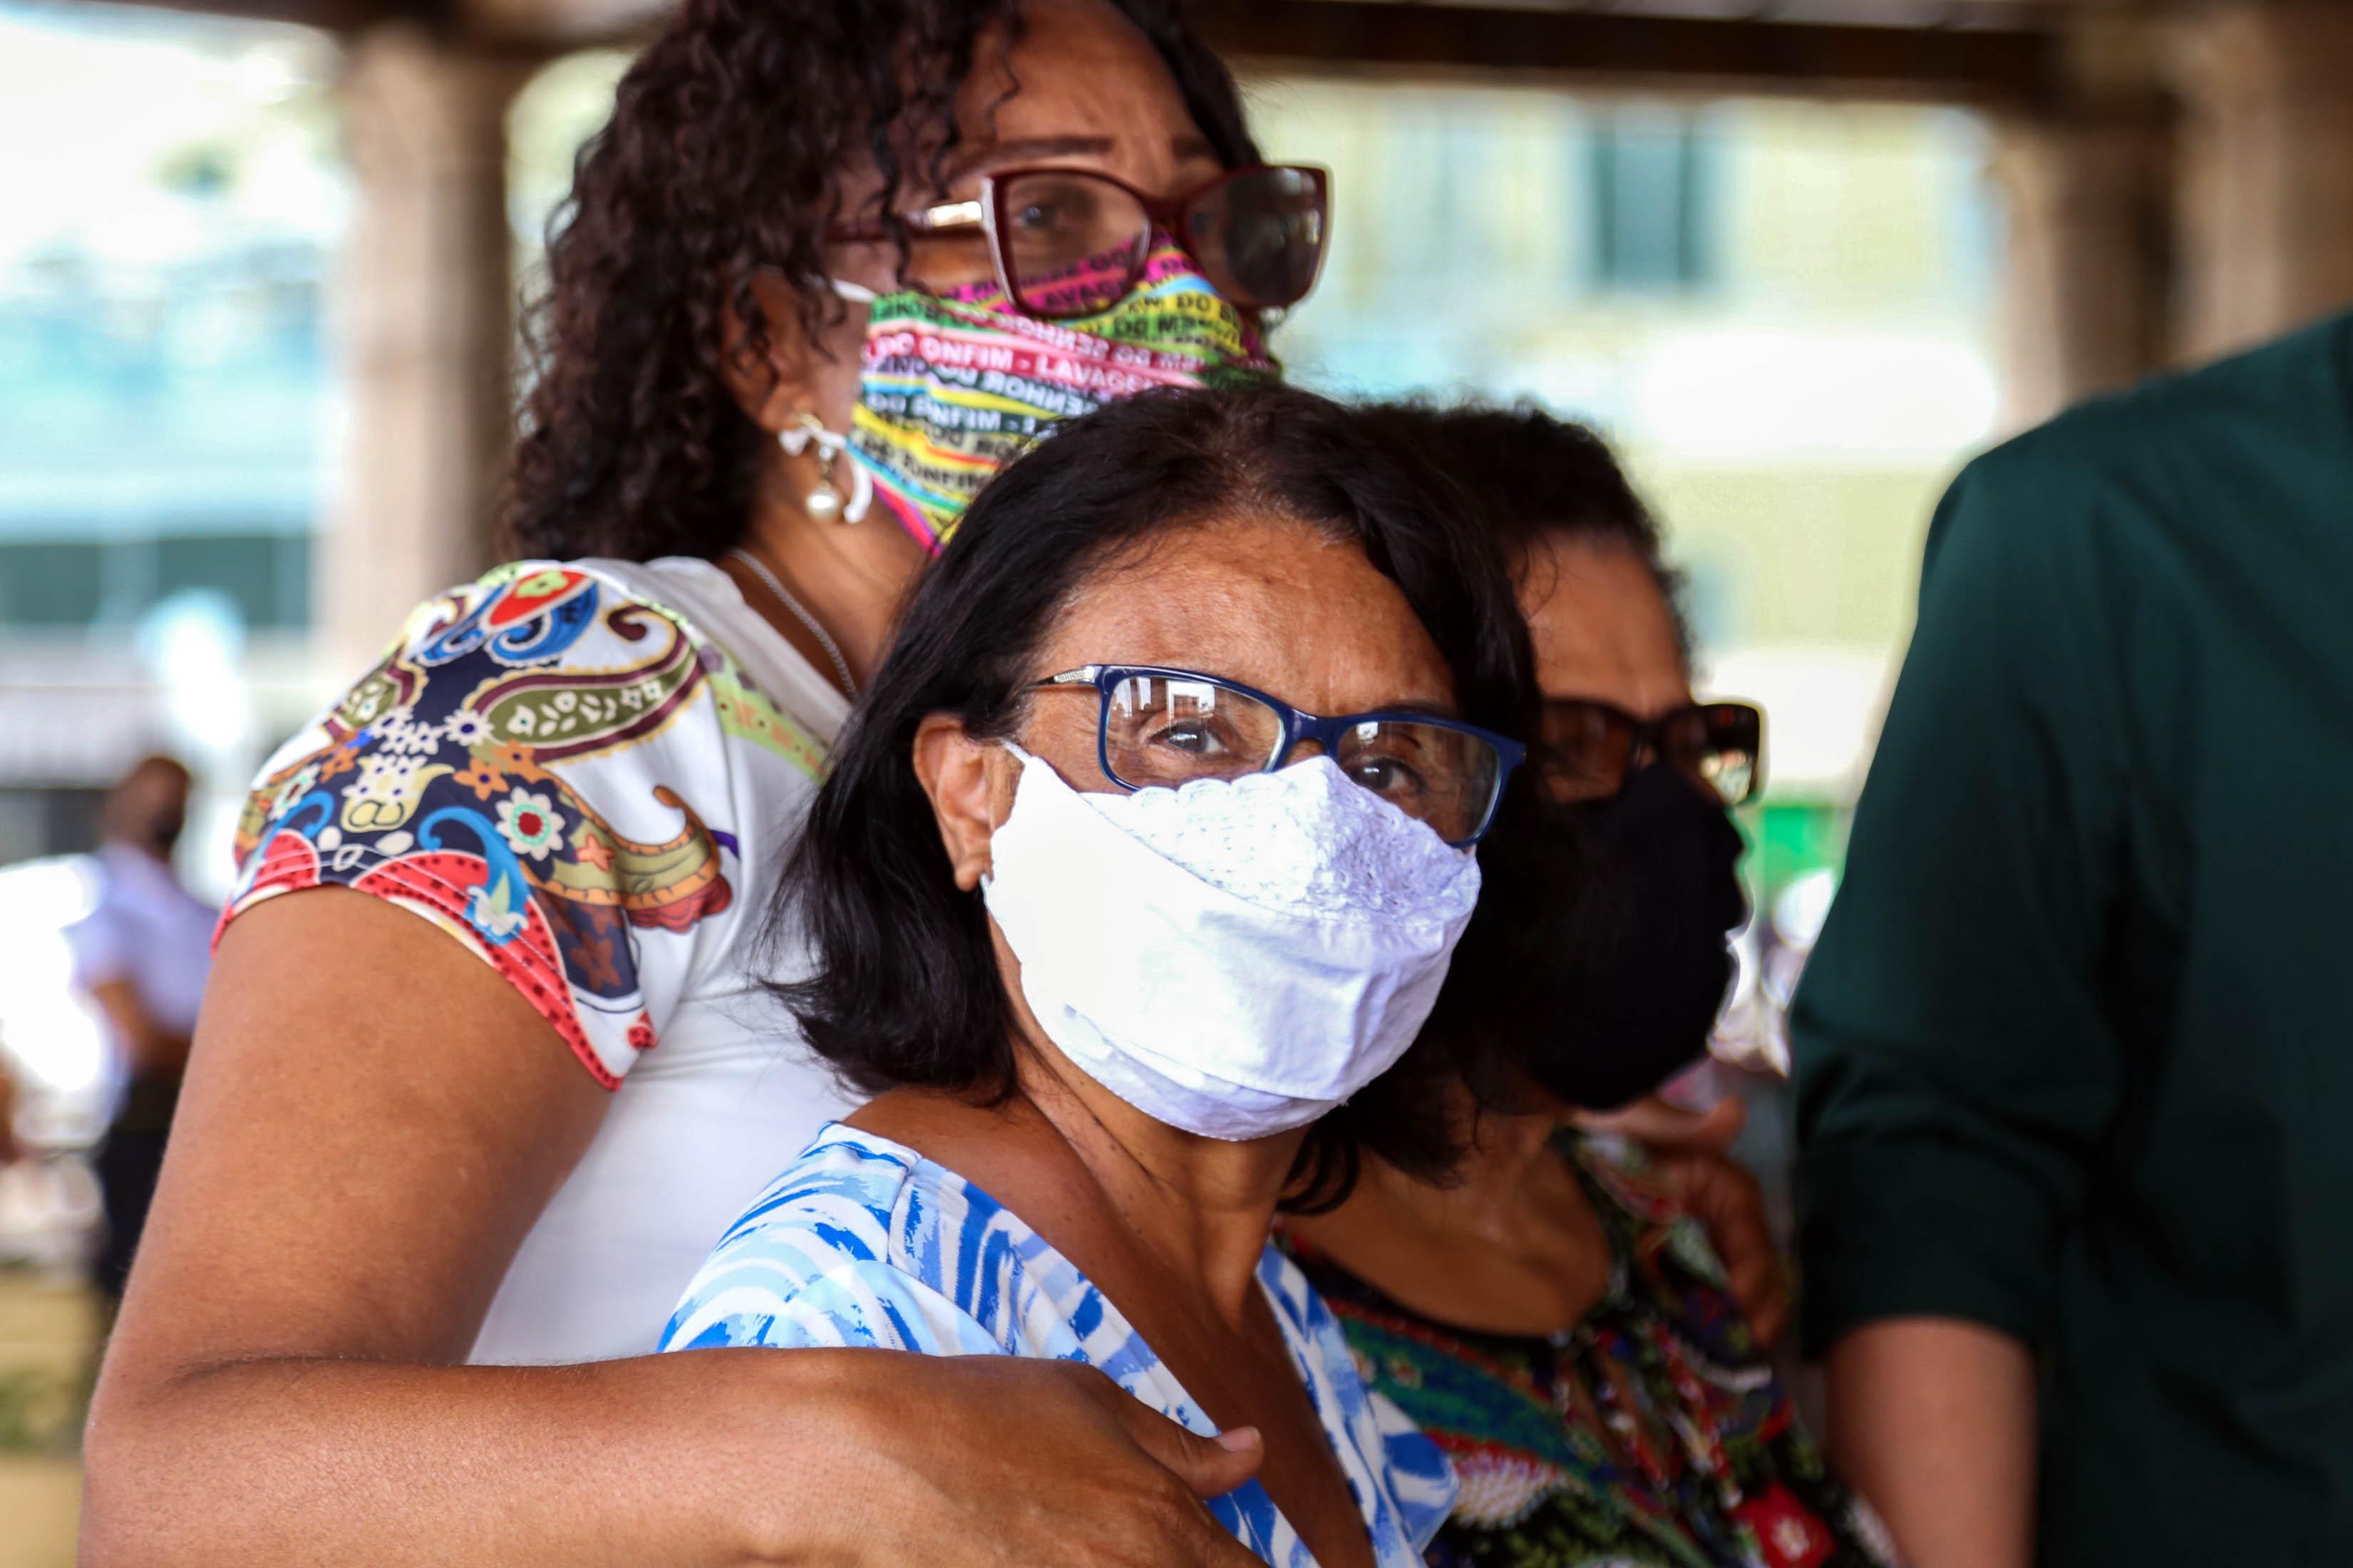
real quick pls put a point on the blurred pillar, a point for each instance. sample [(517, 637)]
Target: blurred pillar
[(2086, 299), (425, 329), (2088, 271), (2267, 200)]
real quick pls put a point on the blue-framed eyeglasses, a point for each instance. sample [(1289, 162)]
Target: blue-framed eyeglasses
[(1162, 727)]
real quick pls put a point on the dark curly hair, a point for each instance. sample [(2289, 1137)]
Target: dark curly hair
[(724, 156), (901, 986)]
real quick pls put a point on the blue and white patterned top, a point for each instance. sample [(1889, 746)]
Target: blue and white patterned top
[(865, 1242)]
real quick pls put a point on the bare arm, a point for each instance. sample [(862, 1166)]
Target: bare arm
[(153, 1049), (372, 1120), (1933, 1420)]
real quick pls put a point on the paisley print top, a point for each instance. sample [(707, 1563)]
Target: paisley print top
[(865, 1242), (571, 770), (468, 777), (1654, 1435)]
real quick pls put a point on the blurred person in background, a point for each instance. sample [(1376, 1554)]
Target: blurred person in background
[(2074, 1089), (827, 268), (11, 1150), (141, 955), (1555, 1319)]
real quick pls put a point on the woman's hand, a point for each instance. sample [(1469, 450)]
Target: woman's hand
[(1688, 1151), (990, 1461)]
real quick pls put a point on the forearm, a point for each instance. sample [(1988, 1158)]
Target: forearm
[(1933, 1420), (151, 1047), (666, 1459), (159, 1055)]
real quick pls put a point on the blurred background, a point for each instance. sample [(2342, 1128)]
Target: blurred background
[(1798, 257)]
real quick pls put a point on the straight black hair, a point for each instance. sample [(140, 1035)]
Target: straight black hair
[(1538, 478), (904, 989), (1551, 903)]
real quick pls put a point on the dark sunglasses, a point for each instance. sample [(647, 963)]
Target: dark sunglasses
[(1589, 750), (1071, 242)]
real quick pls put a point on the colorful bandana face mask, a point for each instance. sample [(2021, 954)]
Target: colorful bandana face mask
[(955, 386)]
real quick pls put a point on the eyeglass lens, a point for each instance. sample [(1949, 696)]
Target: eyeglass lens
[(1259, 236), (1073, 244), (1167, 731), (1590, 749)]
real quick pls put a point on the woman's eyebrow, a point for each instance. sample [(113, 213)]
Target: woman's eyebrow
[(995, 154), (1412, 705)]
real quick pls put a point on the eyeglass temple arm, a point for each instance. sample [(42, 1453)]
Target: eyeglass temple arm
[(929, 220), (947, 215)]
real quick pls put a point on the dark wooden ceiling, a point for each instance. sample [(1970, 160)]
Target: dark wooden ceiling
[(1972, 54), (1988, 52)]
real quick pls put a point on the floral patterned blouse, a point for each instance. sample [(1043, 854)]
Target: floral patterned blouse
[(587, 774), (1654, 1435)]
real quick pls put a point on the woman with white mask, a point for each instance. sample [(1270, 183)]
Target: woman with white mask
[(481, 991), (1135, 880)]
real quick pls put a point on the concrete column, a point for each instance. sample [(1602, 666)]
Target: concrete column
[(2085, 285), (425, 329), (2267, 208)]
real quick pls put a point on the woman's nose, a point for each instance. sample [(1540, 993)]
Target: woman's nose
[(1302, 750)]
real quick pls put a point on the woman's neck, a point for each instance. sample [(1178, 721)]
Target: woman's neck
[(1511, 1245), (1508, 1181), (1202, 1207), (849, 577)]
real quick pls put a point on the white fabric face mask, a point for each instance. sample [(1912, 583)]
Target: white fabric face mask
[(1231, 958)]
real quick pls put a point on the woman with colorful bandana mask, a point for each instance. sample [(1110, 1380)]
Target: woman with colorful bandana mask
[(829, 267), (1087, 298)]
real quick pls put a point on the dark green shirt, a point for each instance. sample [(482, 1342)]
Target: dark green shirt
[(2075, 1053)]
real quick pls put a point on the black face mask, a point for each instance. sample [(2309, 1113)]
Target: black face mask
[(1651, 1000), (1599, 961)]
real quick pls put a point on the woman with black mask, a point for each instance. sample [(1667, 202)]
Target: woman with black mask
[(1558, 1323)]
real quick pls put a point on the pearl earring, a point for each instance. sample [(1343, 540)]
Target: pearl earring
[(825, 502)]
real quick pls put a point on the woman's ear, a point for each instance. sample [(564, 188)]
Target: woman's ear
[(969, 781), (793, 373)]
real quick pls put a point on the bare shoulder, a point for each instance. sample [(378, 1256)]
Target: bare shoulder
[(1008, 1150), (977, 1137)]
